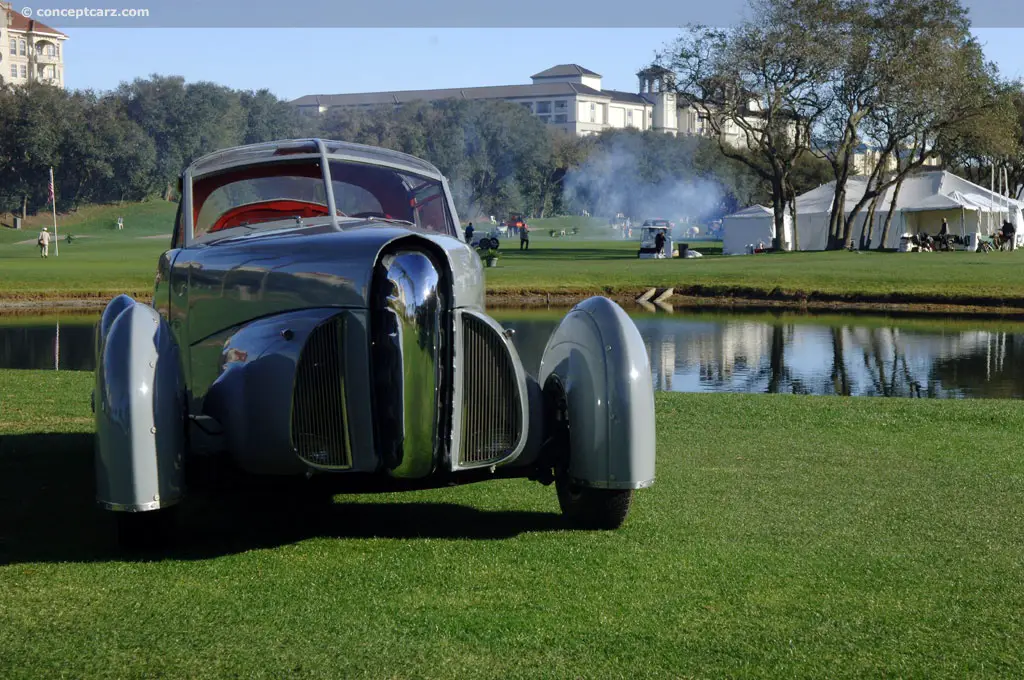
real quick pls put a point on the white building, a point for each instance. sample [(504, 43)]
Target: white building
[(30, 51), (567, 96)]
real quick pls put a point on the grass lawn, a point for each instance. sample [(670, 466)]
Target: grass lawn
[(612, 266), (105, 262), (101, 261), (785, 537)]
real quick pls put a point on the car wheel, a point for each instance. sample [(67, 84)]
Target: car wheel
[(145, 531), (593, 508), (585, 507)]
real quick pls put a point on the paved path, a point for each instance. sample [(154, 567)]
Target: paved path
[(35, 240)]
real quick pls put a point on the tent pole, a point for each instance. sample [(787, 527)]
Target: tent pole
[(992, 188)]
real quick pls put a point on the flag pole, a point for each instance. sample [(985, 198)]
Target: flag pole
[(53, 189)]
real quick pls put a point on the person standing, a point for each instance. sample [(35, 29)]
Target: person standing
[(469, 233), (524, 236), (659, 243), (44, 242)]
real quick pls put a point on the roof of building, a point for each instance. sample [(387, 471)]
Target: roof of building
[(564, 70), (488, 92), (654, 69), (627, 97), (23, 25)]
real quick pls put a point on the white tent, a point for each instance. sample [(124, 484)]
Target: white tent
[(750, 227), (925, 198)]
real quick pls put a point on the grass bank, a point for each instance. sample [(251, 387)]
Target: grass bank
[(104, 262), (785, 537)]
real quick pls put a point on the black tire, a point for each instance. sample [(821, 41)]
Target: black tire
[(145, 531), (590, 508), (584, 507)]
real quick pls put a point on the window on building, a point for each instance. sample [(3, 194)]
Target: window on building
[(23, 48), (14, 70), (14, 46), (629, 115), (593, 112), (561, 118), (24, 71), (544, 119), (543, 107), (561, 105), (528, 106)]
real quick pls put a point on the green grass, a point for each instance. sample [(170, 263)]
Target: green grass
[(107, 262), (101, 261), (612, 266), (785, 537)]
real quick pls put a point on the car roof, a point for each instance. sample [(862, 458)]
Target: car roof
[(267, 152)]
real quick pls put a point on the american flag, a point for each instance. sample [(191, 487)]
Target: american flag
[(51, 186)]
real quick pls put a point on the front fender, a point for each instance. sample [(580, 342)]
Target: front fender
[(140, 419), (597, 354)]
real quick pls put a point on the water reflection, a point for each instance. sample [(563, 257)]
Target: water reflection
[(47, 344), (858, 358), (709, 353)]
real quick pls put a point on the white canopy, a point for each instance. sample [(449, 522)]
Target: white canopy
[(924, 199), (752, 226)]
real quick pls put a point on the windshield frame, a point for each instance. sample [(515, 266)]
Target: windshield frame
[(184, 230)]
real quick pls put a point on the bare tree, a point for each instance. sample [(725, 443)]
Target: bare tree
[(760, 83), (945, 87), (879, 43)]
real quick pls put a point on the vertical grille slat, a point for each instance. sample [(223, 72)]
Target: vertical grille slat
[(319, 432), (491, 418)]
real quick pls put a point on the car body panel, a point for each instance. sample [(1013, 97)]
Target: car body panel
[(350, 346)]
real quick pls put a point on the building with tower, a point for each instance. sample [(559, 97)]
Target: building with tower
[(567, 96)]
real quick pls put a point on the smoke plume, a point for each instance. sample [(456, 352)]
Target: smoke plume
[(628, 176)]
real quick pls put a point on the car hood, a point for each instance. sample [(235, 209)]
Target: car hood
[(245, 276)]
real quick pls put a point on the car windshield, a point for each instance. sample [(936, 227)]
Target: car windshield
[(259, 196)]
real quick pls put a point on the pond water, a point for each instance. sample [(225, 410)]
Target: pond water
[(709, 352)]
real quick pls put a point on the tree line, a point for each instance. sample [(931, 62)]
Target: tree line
[(822, 78), (805, 83), (132, 143)]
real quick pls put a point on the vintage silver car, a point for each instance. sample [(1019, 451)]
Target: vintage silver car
[(319, 314)]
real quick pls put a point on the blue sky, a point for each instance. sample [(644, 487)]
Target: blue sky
[(294, 62)]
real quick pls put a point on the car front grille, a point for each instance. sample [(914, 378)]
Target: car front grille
[(319, 432), (491, 417)]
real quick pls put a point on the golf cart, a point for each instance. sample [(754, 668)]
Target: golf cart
[(648, 240)]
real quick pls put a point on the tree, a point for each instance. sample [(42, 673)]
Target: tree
[(899, 63), (267, 118), (761, 79), (993, 139), (943, 88)]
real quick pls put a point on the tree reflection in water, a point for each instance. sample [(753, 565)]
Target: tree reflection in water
[(861, 357), (714, 353)]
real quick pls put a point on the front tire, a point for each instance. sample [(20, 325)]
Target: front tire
[(593, 508), (584, 507)]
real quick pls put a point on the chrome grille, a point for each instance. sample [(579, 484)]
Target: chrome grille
[(491, 418), (319, 434)]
